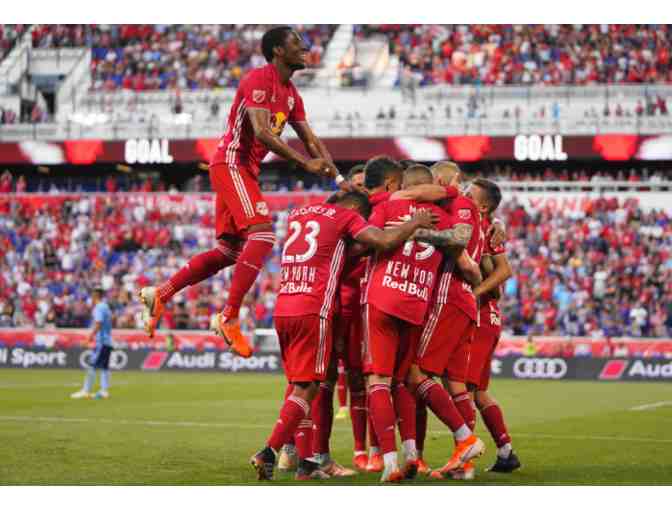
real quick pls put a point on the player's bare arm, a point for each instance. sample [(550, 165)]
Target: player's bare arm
[(314, 145), (94, 331), (456, 237), (498, 232), (469, 269), (391, 238), (261, 123), (502, 271), (426, 193)]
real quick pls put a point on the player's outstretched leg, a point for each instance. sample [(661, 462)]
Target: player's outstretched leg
[(464, 404), (383, 417), (288, 459), (359, 418), (199, 268), (421, 434), (404, 406), (507, 460)]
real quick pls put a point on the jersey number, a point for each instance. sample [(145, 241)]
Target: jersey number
[(421, 255), (313, 229)]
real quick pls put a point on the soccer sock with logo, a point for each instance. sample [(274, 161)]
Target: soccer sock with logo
[(494, 421), (420, 425), (323, 419), (381, 410), (341, 386), (248, 266), (104, 380), (89, 379), (199, 268), (404, 406), (304, 439), (465, 405), (359, 417), (293, 411), (439, 401)]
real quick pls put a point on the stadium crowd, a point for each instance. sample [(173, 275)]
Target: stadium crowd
[(158, 57), (604, 271), (528, 54)]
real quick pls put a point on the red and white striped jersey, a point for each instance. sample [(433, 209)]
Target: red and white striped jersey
[(312, 258), (260, 88)]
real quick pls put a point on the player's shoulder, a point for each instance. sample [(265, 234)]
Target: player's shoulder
[(464, 208), (257, 75)]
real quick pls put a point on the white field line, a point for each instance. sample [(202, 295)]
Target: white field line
[(195, 424), (654, 405)]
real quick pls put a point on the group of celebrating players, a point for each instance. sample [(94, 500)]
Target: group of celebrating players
[(397, 274)]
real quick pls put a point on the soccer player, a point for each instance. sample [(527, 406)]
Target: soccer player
[(101, 335), (496, 270), (443, 349), (265, 102), (312, 260), (398, 291)]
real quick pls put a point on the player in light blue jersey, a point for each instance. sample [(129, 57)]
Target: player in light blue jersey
[(101, 334)]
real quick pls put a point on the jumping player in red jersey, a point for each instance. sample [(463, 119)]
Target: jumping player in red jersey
[(496, 270), (265, 102), (398, 292), (312, 261)]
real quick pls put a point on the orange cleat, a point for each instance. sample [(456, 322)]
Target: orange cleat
[(335, 470), (230, 331), (423, 468), (395, 476), (153, 311), (360, 461), (466, 450), (375, 464)]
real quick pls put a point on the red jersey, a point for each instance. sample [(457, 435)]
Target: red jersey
[(260, 88), (313, 257), (350, 290), (463, 210), (401, 282), (489, 308)]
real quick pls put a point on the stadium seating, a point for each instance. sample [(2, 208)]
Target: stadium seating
[(605, 270), (9, 34)]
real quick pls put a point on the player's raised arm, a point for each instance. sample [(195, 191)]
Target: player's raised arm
[(426, 193), (502, 271), (391, 238), (315, 146), (469, 269)]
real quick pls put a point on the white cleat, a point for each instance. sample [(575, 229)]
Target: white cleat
[(81, 394), (101, 395), (288, 460)]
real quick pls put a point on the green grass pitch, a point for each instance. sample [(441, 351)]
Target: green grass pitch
[(200, 429)]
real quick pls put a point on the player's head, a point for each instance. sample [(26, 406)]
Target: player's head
[(356, 177), (444, 171), (382, 173), (486, 194), (284, 45), (352, 200), (417, 174), (405, 163), (97, 294)]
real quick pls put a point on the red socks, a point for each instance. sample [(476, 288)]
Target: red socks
[(439, 401), (293, 411), (304, 439), (404, 406), (323, 418), (341, 386), (382, 412), (465, 405), (494, 421), (358, 415), (248, 265), (199, 268), (420, 424)]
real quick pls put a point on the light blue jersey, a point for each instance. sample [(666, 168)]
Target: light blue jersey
[(103, 314)]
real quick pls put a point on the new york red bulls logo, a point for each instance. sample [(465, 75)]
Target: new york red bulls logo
[(258, 96)]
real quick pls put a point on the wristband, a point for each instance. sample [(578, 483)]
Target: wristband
[(339, 179)]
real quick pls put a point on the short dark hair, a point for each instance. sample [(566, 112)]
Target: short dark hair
[(98, 291), (357, 169), (360, 200), (378, 169), (273, 38), (493, 194)]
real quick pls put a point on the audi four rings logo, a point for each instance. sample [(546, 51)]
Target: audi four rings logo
[(118, 359), (540, 368)]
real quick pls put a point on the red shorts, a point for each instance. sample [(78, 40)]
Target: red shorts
[(305, 346), (238, 200), (443, 349), (389, 344), (480, 357)]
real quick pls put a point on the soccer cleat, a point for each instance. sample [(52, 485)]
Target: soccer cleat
[(375, 464), (101, 395), (466, 450), (81, 394), (264, 463), (335, 470), (151, 315), (288, 458), (360, 461), (392, 476), (230, 331), (342, 414), (507, 465), (410, 470), (423, 468), (466, 472), (310, 470)]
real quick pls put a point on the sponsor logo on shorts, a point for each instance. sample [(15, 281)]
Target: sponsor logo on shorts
[(154, 360), (540, 368), (613, 369), (262, 208), (464, 214), (258, 96)]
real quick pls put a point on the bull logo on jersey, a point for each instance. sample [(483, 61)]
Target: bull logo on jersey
[(258, 96), (278, 122), (262, 208)]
